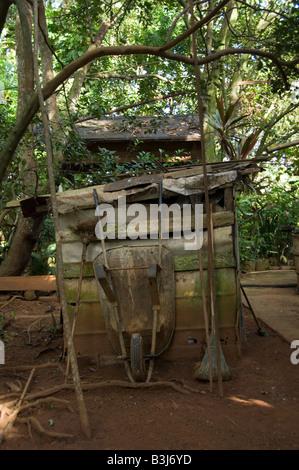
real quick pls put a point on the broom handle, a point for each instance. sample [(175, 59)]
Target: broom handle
[(206, 318), (160, 223)]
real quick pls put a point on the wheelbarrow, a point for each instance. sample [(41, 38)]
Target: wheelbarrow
[(137, 296)]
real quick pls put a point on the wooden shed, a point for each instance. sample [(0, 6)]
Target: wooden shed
[(171, 134), (179, 186)]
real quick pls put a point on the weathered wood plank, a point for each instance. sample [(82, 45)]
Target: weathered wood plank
[(89, 290), (22, 283), (221, 219), (182, 262), (222, 235), (80, 199), (190, 263), (187, 285), (90, 319)]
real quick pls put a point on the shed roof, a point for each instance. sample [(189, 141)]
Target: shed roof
[(184, 182), (177, 181), (183, 128)]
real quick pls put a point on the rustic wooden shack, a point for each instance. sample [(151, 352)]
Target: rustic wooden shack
[(180, 186), (171, 134)]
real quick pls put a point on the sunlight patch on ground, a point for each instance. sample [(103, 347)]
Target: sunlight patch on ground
[(250, 401)]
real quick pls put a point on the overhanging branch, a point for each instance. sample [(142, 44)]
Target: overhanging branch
[(16, 135), (275, 148)]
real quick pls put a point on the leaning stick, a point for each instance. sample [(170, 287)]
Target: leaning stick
[(206, 318), (14, 414), (86, 230), (59, 258), (206, 186)]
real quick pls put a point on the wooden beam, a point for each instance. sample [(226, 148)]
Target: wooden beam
[(23, 283)]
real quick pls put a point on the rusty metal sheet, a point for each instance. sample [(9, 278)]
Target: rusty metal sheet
[(128, 275)]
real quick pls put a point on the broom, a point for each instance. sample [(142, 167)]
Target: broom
[(196, 198), (221, 371), (213, 357)]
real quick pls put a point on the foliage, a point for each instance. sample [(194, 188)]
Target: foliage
[(44, 256), (266, 221), (228, 123), (255, 109), (4, 323)]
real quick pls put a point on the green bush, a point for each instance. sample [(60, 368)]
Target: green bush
[(266, 222), (43, 258)]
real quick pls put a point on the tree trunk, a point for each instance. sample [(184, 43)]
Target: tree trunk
[(27, 231), (24, 241), (47, 75), (215, 72), (4, 7)]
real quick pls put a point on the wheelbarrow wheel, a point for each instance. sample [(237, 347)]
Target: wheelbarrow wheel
[(137, 359)]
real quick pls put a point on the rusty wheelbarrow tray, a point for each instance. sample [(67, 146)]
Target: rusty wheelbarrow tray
[(137, 297)]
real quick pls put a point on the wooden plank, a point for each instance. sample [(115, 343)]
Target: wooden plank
[(221, 219), (72, 252), (23, 283), (89, 290), (132, 182), (187, 262), (190, 262)]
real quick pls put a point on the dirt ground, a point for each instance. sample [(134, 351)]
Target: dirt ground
[(259, 409)]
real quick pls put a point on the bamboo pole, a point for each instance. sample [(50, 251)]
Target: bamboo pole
[(59, 257)]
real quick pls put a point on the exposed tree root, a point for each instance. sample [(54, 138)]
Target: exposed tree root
[(30, 420), (108, 383), (9, 421), (5, 407), (37, 366), (8, 418), (59, 401), (4, 304)]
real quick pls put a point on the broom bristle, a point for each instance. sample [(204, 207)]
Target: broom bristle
[(201, 368), (85, 226)]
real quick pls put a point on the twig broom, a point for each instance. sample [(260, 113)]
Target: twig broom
[(214, 314), (213, 354)]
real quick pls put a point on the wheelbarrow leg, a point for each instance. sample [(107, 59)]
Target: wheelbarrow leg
[(152, 275), (100, 271), (153, 347), (122, 343)]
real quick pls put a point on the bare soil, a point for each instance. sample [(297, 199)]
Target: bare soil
[(259, 409)]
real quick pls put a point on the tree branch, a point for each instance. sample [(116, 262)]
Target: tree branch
[(271, 124), (195, 27), (32, 107), (142, 103), (128, 77), (285, 145)]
